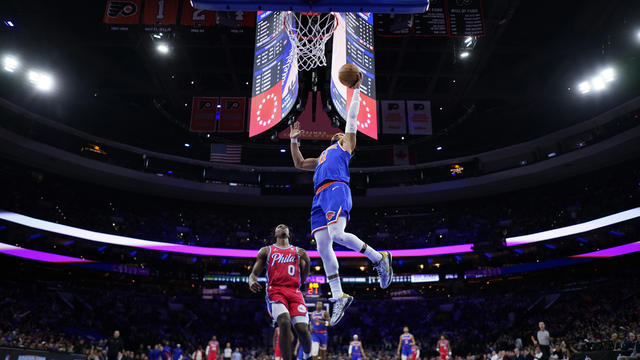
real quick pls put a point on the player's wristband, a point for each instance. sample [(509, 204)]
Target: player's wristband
[(294, 141)]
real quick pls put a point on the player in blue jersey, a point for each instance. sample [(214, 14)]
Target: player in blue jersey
[(405, 344), (356, 351), (332, 205), (319, 336)]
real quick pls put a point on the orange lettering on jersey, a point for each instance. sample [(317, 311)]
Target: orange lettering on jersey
[(330, 214)]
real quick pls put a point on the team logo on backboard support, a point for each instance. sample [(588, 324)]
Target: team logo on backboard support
[(124, 8), (330, 214)]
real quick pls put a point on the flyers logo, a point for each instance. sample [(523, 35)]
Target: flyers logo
[(330, 215), (205, 104), (124, 8)]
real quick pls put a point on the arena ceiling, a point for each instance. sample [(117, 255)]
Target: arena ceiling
[(518, 83)]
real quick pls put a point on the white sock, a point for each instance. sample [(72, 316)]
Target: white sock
[(372, 255), (305, 355), (336, 288)]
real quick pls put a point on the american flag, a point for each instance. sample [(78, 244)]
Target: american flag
[(230, 154)]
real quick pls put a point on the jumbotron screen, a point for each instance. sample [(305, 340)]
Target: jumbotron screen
[(275, 73), (353, 43)]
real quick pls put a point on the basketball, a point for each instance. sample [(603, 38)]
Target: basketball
[(348, 75)]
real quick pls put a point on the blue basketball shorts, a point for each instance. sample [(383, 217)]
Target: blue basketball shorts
[(320, 338), (331, 201)]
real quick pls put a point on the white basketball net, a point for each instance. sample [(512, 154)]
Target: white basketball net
[(308, 33)]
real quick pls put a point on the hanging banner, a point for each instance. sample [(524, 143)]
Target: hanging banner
[(419, 117), (120, 12), (400, 154), (197, 19), (465, 18), (203, 114), (159, 15), (232, 114), (394, 117), (320, 129), (236, 21)]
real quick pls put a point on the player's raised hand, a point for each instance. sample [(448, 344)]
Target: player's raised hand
[(359, 82), (254, 285), (295, 130)]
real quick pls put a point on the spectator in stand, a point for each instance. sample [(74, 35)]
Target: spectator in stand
[(198, 354), (236, 355), (177, 352), (115, 347), (227, 352), (629, 347), (544, 341)]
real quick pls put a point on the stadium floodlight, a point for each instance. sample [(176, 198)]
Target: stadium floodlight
[(468, 41), (608, 74), (464, 54), (584, 87), (162, 48), (40, 80), (9, 23), (10, 63), (598, 83)]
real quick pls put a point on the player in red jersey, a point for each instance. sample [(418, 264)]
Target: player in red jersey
[(276, 344), (444, 348), (212, 348), (415, 352), (287, 268)]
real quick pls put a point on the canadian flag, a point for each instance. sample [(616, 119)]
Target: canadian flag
[(400, 155)]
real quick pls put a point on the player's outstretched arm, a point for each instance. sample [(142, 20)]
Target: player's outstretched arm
[(350, 130), (305, 265), (413, 340), (399, 345), (258, 268), (362, 353), (298, 160)]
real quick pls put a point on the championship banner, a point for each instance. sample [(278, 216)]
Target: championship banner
[(394, 117), (203, 114), (232, 114), (120, 12), (419, 117), (320, 129), (196, 18), (160, 14)]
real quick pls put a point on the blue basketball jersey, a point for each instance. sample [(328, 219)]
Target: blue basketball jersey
[(406, 341), (318, 322), (333, 165), (355, 348)]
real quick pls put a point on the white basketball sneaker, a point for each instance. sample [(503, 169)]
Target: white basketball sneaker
[(339, 308), (384, 269)]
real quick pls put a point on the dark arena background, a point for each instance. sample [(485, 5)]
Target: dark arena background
[(145, 159)]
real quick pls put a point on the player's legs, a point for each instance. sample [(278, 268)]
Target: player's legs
[(324, 245), (281, 314), (304, 336), (323, 346), (349, 240), (315, 348)]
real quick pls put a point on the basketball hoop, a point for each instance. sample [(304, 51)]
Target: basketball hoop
[(308, 33)]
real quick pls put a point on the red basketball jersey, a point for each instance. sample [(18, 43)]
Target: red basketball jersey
[(283, 267), (444, 348)]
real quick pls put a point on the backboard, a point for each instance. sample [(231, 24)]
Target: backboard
[(322, 6)]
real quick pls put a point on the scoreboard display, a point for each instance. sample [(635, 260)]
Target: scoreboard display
[(275, 73), (353, 43)]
